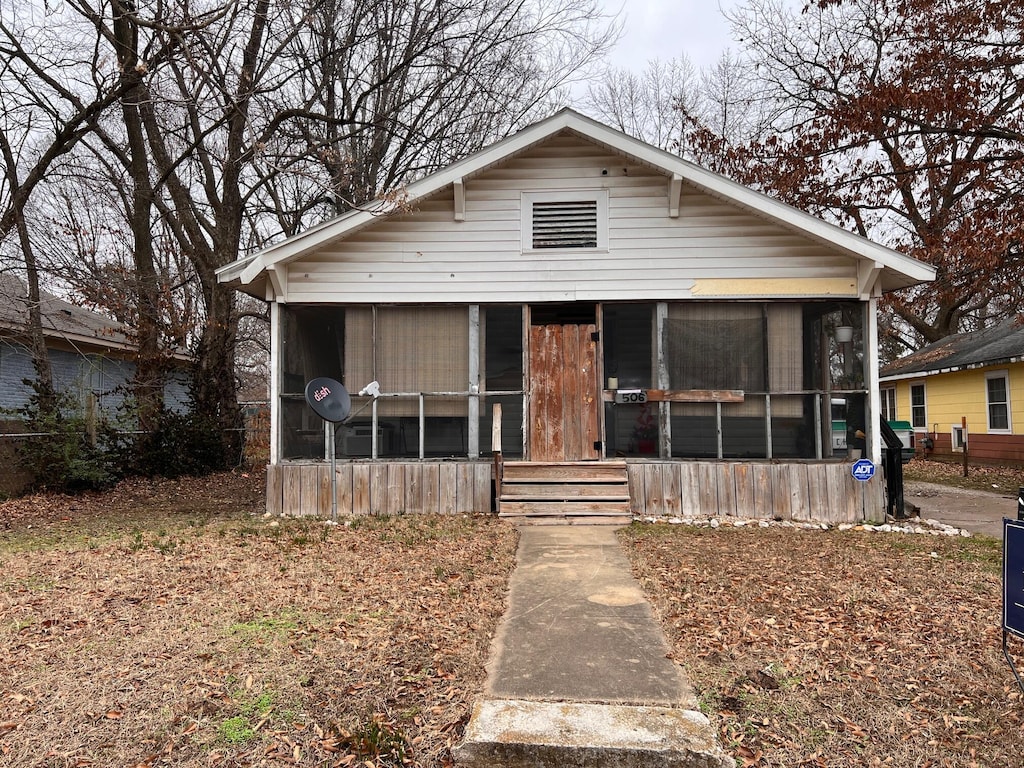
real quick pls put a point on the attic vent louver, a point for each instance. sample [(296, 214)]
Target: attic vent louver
[(565, 224)]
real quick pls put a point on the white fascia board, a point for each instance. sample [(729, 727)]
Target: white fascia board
[(918, 375), (952, 369), (233, 271)]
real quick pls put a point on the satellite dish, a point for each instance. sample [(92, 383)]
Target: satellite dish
[(328, 399)]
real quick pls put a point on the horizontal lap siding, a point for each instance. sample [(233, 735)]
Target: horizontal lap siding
[(996, 448), (382, 488), (426, 256)]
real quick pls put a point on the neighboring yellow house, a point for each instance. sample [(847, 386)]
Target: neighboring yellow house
[(975, 379)]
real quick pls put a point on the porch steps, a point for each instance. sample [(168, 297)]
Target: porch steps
[(565, 492)]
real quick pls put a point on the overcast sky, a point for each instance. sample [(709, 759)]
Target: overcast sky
[(665, 29)]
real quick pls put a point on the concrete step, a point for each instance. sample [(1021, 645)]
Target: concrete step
[(614, 520), (555, 508), (534, 734)]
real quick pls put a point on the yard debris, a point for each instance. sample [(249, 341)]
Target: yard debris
[(197, 634), (839, 648)]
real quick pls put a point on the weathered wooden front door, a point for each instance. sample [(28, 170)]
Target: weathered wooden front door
[(564, 394)]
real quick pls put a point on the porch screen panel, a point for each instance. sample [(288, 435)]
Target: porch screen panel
[(785, 358), (359, 368), (312, 345), (715, 346), (413, 350)]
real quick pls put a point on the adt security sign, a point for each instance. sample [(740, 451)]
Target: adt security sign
[(863, 470)]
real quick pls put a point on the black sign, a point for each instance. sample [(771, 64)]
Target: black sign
[(328, 399), (1013, 576)]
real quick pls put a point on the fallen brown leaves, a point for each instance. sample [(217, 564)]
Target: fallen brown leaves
[(1003, 480), (168, 623), (839, 649), (165, 624)]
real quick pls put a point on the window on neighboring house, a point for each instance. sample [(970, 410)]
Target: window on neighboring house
[(997, 394), (918, 413), (888, 404), (958, 437), (565, 220)]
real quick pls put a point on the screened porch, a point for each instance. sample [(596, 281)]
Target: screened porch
[(794, 372)]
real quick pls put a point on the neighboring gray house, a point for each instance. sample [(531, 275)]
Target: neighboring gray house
[(91, 354)]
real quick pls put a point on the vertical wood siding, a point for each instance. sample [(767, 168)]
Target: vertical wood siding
[(798, 492), (382, 488), (754, 491), (426, 256)]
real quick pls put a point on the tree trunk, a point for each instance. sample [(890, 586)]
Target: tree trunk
[(214, 391), (37, 341), (150, 364)]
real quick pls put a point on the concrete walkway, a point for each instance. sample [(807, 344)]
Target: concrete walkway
[(580, 673)]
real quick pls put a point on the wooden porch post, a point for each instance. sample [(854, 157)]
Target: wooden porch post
[(473, 412), (664, 408), (275, 382)]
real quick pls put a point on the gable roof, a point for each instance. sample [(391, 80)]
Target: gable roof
[(62, 320), (896, 270), (999, 345)]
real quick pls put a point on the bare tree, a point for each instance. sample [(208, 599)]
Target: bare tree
[(656, 105), (903, 121), (63, 70), (46, 107), (232, 126)]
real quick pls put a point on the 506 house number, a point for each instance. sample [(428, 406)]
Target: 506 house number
[(631, 396)]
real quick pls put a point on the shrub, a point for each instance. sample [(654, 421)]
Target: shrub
[(182, 444), (66, 452)]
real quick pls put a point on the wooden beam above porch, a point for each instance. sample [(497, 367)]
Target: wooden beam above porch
[(687, 395)]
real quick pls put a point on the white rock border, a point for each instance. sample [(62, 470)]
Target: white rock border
[(920, 526)]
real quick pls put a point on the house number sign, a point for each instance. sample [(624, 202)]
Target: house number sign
[(631, 396)]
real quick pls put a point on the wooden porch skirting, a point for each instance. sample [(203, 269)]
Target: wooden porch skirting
[(798, 491), (380, 488)]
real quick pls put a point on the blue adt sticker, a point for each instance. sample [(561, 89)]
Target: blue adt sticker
[(863, 469)]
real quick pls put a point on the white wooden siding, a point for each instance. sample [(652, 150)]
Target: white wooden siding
[(426, 256)]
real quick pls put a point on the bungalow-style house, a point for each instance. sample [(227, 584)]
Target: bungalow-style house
[(660, 341), (975, 379)]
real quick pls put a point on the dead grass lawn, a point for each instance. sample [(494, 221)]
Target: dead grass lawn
[(169, 623), (166, 624), (839, 649)]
